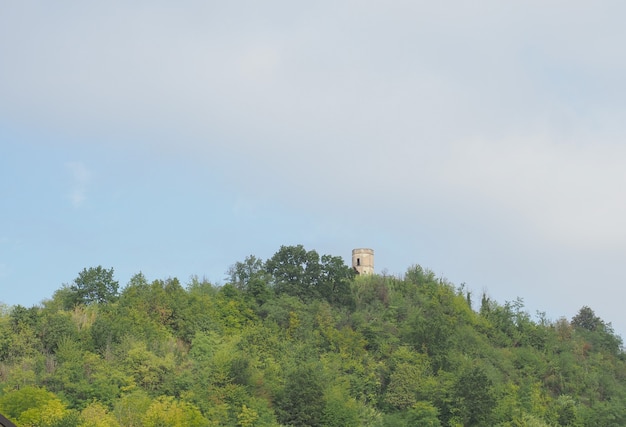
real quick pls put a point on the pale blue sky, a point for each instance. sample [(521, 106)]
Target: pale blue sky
[(483, 141)]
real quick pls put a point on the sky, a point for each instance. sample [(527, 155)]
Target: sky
[(483, 141)]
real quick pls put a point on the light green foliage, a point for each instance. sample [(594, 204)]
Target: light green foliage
[(32, 406), (6, 337), (410, 380), (423, 414), (299, 341), (149, 370), (166, 411), (131, 408), (340, 409), (265, 415), (22, 374), (564, 411), (83, 376), (21, 333), (96, 415), (247, 417)]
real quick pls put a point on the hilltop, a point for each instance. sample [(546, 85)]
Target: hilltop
[(302, 340)]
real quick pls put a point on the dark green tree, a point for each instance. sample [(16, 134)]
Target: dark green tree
[(335, 281), (295, 271), (22, 317), (56, 326), (251, 278), (596, 331), (587, 319), (301, 273), (94, 285), (241, 273), (301, 403), (474, 397), (424, 414)]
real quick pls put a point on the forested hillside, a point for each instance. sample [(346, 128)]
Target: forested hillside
[(298, 340)]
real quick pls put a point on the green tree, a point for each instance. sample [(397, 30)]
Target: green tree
[(131, 408), (22, 318), (32, 406), (251, 278), (94, 285), (21, 333), (301, 273), (565, 411), (302, 403), (596, 331), (97, 415), (241, 273), (335, 281), (341, 410), (166, 411), (410, 380), (296, 271), (587, 319), (423, 414), (474, 398), (148, 369), (56, 326)]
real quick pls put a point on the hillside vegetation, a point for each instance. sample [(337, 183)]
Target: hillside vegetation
[(298, 340)]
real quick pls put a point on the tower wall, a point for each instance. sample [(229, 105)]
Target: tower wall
[(363, 260)]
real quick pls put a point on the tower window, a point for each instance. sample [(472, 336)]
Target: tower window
[(358, 262)]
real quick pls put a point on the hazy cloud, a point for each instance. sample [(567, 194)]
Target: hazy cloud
[(485, 124), (494, 101), (81, 176)]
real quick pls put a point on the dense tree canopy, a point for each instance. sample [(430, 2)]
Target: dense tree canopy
[(587, 319), (298, 340), (93, 285)]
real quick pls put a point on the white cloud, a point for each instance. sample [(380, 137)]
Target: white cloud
[(566, 192), (341, 87), (259, 63)]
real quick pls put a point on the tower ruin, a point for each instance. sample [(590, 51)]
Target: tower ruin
[(363, 260)]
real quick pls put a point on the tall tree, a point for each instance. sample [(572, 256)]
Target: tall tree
[(474, 398), (241, 273), (296, 271), (587, 319), (302, 401), (250, 277), (94, 285), (303, 274), (335, 281)]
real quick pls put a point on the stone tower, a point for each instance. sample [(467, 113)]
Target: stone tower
[(363, 260)]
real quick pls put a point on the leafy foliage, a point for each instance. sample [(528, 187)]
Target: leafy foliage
[(298, 340), (301, 273), (93, 285)]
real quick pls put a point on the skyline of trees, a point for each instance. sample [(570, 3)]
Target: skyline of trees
[(299, 340)]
